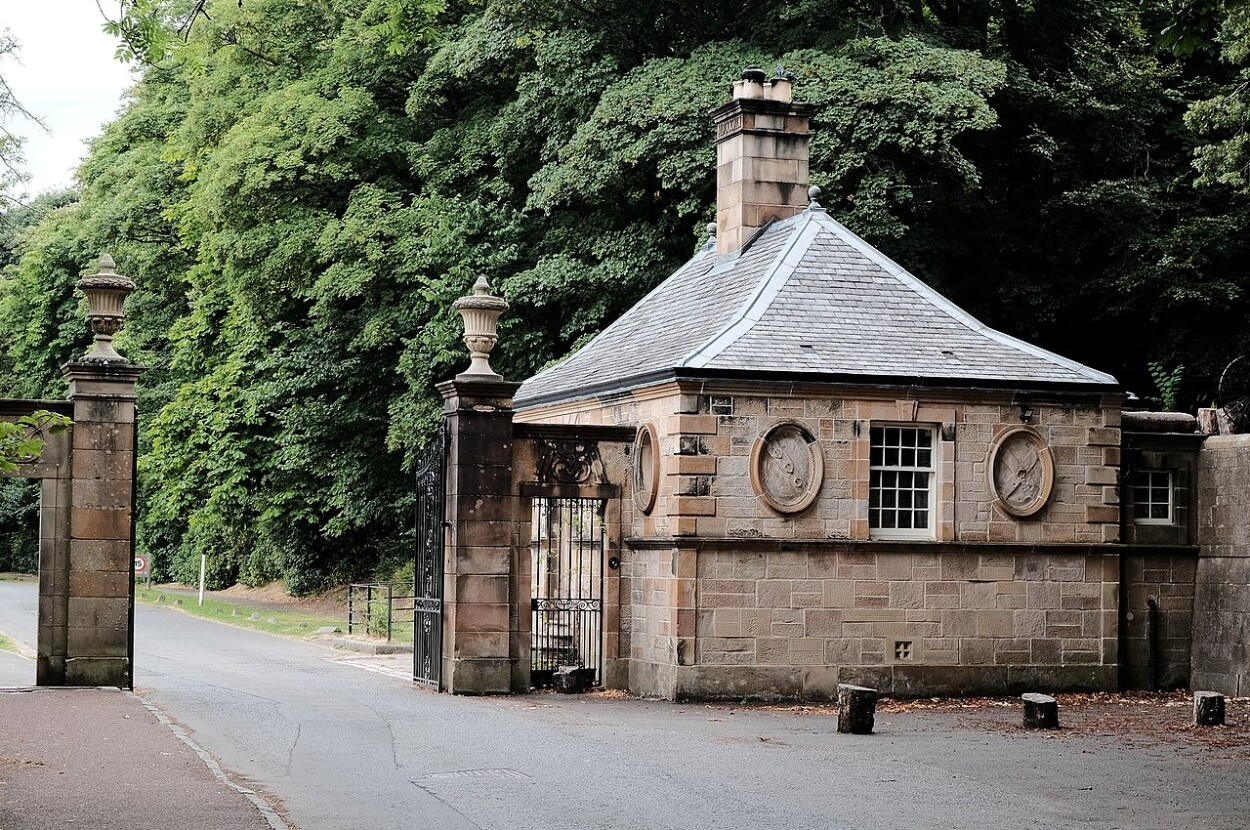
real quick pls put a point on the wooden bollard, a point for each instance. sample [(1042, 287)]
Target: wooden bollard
[(1208, 709), (857, 708), (1040, 711)]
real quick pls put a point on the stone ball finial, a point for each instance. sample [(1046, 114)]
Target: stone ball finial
[(813, 198), (711, 229), (481, 311), (106, 293)]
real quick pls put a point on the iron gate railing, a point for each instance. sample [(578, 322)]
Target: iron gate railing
[(427, 645), (567, 598), (381, 609)]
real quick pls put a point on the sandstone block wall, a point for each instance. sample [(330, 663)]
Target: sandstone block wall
[(723, 596), (647, 633), (807, 619), (1167, 578), (1221, 634)]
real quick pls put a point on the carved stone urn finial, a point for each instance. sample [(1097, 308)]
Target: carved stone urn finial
[(106, 309), (480, 311)]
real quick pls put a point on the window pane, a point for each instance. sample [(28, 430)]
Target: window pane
[(1152, 495), (901, 458)]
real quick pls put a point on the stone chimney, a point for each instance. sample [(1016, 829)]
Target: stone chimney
[(761, 157)]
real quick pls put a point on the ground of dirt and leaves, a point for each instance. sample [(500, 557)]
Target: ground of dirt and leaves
[(1132, 718)]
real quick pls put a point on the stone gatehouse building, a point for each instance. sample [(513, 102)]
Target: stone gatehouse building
[(804, 466)]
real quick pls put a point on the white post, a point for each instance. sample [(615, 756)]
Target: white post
[(203, 565)]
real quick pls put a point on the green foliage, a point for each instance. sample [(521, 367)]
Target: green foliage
[(1167, 384), (22, 440), (301, 189), (19, 526), (1224, 118)]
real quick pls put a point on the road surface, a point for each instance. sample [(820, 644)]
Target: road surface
[(343, 748)]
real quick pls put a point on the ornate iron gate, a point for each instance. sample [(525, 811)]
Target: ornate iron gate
[(567, 597), (427, 651)]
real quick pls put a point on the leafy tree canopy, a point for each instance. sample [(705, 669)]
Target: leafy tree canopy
[(301, 189)]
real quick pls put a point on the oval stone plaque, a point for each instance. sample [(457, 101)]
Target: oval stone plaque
[(787, 467)]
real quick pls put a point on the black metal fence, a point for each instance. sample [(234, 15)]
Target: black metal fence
[(381, 609), (431, 528), (567, 599)]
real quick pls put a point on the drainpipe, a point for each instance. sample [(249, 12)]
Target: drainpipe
[(1122, 678), (1152, 642)]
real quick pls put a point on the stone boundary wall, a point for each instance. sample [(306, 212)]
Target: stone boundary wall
[(647, 637), (1168, 578), (795, 623), (1221, 635)]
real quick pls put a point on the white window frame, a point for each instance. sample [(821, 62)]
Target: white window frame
[(1150, 487), (929, 531)]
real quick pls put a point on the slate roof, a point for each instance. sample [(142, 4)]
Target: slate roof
[(807, 300)]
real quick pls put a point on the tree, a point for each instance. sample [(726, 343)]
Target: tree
[(1224, 118), (302, 189), (11, 160)]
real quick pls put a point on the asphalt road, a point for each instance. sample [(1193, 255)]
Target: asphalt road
[(343, 748)]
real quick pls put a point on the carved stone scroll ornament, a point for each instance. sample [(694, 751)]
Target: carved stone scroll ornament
[(1021, 472), (646, 472), (787, 467), (570, 461)]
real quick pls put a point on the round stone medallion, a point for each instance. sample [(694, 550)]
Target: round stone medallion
[(1021, 471), (646, 468), (787, 467)]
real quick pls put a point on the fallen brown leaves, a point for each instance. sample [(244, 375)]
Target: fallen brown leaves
[(1132, 718)]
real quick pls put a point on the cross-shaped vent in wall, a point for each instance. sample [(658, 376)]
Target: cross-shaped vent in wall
[(902, 649)]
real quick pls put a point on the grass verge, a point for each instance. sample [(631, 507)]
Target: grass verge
[(8, 645), (271, 621)]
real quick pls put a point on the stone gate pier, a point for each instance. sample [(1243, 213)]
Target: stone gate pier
[(86, 515)]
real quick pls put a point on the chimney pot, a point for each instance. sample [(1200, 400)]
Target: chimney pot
[(761, 157), (753, 74)]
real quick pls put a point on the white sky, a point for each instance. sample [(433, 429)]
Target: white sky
[(67, 76)]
